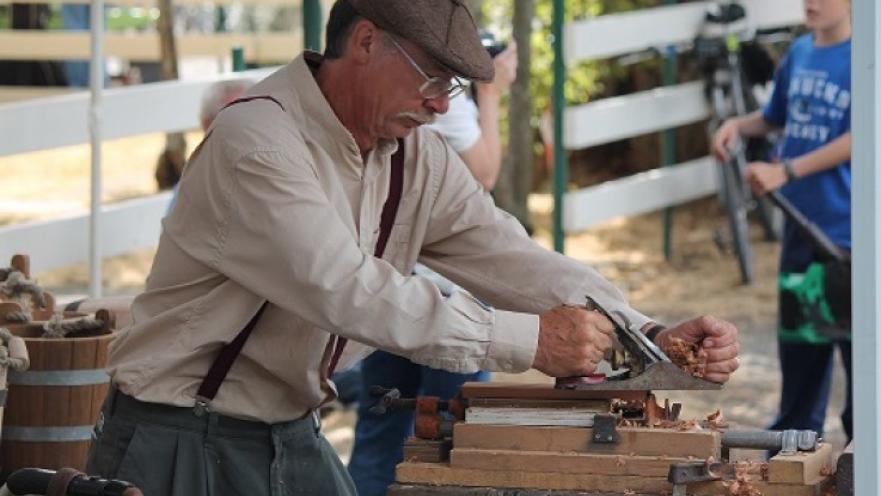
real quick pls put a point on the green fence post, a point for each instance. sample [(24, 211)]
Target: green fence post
[(668, 148), (561, 166), (238, 59), (312, 25)]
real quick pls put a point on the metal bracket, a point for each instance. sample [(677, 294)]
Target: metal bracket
[(681, 474), (605, 429)]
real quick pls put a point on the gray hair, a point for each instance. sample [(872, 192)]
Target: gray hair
[(218, 95)]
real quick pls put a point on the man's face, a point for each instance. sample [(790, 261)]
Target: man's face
[(826, 14), (396, 94)]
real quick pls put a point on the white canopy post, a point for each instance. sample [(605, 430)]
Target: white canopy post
[(97, 85), (865, 118)]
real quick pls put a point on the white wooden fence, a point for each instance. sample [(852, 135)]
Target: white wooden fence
[(621, 117), (62, 120)]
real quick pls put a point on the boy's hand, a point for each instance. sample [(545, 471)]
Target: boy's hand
[(765, 176), (725, 139), (716, 336)]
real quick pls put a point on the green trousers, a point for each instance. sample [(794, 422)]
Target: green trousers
[(170, 451)]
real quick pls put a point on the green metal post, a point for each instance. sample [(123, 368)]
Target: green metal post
[(561, 166), (668, 148), (312, 25), (238, 59)]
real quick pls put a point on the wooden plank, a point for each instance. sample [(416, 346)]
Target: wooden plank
[(572, 417), (617, 34), (621, 117), (264, 48), (639, 193), (439, 474), (596, 405), (551, 461), (442, 475), (802, 467), (423, 490), (633, 440), (425, 450), (530, 391)]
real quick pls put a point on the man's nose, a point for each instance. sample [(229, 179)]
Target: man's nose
[(439, 105)]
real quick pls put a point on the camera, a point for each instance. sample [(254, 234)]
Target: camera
[(493, 46)]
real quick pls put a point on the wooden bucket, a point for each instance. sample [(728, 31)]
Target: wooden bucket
[(52, 406)]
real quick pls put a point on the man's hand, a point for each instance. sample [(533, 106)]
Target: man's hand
[(765, 176), (725, 139), (716, 336), (571, 341), (505, 64)]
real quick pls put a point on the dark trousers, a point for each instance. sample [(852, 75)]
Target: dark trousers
[(170, 451), (379, 439), (807, 380)]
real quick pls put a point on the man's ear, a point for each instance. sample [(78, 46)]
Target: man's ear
[(365, 41)]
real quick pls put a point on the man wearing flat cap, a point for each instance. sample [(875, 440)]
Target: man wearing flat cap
[(289, 253)]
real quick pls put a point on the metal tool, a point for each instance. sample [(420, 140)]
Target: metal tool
[(646, 367), (681, 474)]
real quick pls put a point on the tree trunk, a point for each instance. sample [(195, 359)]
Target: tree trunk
[(515, 178), (171, 161)]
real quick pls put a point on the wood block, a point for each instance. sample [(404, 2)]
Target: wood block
[(572, 417), (802, 467), (633, 440), (423, 490), (507, 390), (424, 450), (597, 405), (439, 474), (573, 463)]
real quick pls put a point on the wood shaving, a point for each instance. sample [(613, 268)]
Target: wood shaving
[(742, 483), (826, 471), (629, 492), (716, 421), (620, 461), (691, 358)]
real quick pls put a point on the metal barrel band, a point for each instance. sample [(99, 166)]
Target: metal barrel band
[(76, 377), (47, 434)]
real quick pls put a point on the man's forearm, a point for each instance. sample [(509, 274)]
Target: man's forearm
[(826, 157)]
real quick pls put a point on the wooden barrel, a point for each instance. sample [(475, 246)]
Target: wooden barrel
[(52, 406)]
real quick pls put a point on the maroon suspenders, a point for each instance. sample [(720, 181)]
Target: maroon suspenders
[(230, 351)]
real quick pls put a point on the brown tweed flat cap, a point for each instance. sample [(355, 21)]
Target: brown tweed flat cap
[(445, 29)]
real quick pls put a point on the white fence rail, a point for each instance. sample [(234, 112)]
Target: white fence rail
[(125, 226), (52, 122), (631, 115)]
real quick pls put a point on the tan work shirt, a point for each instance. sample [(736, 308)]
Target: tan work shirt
[(279, 205)]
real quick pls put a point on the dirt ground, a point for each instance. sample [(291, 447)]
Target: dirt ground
[(698, 280)]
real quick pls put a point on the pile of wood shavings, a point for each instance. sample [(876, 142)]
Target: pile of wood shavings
[(691, 358), (742, 483)]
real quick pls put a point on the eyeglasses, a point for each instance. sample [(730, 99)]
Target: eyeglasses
[(433, 87)]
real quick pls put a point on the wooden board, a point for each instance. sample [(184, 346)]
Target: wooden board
[(440, 474), (423, 490), (573, 463), (425, 450), (572, 417), (597, 405), (633, 440), (802, 467), (507, 390)]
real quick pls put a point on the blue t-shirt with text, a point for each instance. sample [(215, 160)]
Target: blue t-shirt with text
[(811, 102)]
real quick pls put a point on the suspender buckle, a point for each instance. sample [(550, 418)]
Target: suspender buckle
[(201, 406)]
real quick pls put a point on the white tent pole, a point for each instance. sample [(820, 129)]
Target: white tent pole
[(865, 117), (97, 86)]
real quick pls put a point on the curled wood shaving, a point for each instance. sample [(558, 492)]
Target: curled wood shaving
[(826, 471), (691, 358), (620, 461), (742, 483), (629, 492), (716, 421)]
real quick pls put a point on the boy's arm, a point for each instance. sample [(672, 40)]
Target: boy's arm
[(749, 125), (764, 177)]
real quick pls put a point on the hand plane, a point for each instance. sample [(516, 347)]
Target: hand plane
[(638, 364)]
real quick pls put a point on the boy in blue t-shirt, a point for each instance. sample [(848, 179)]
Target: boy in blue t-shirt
[(811, 103)]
